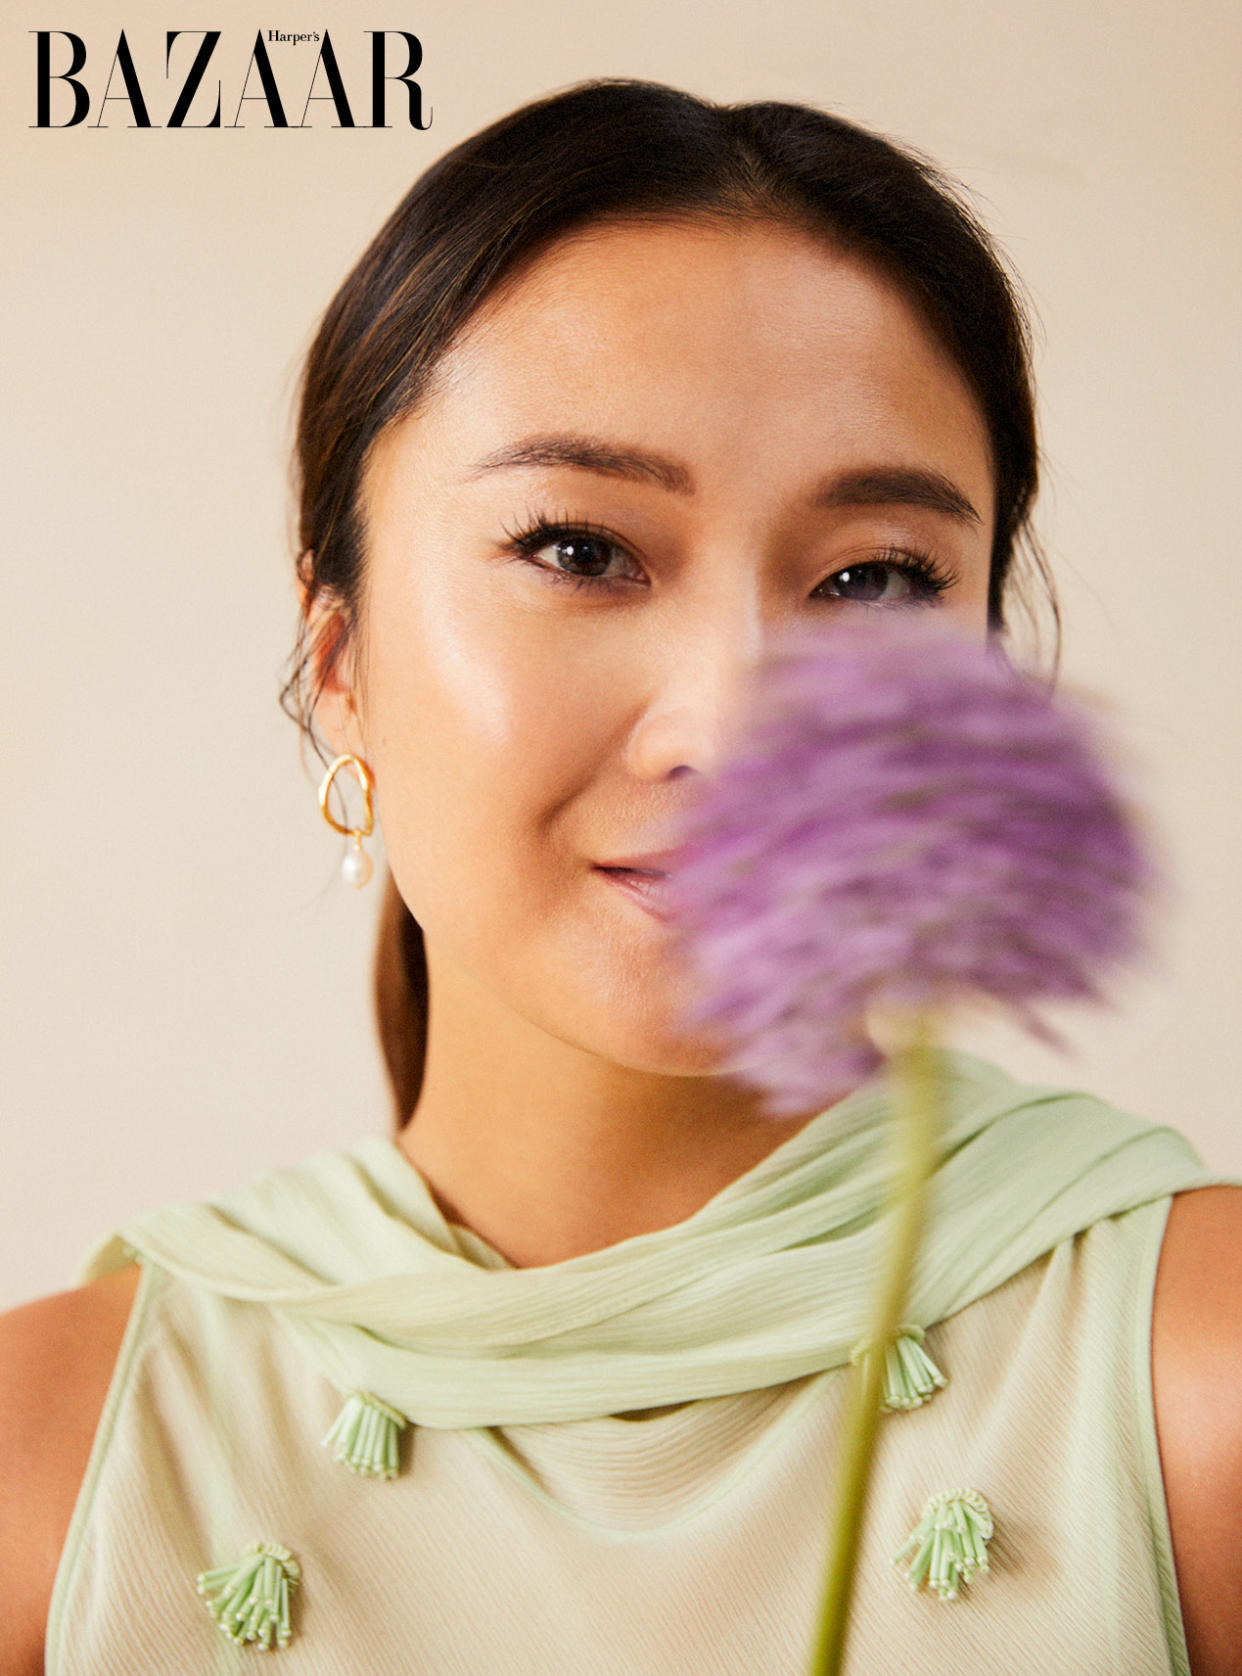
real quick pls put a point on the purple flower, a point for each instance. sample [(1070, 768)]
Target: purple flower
[(903, 819)]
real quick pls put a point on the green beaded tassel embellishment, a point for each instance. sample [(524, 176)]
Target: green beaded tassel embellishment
[(250, 1600), (364, 1436), (950, 1542), (910, 1375)]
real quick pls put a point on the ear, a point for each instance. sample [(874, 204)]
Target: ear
[(333, 666)]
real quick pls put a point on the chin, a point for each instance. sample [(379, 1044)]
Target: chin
[(655, 1046)]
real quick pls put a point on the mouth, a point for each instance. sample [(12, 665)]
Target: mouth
[(645, 886), (649, 863)]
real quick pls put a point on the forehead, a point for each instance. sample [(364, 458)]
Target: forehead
[(719, 342)]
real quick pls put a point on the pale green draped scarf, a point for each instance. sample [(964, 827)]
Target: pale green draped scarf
[(769, 1281)]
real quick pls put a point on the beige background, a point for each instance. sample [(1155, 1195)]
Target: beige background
[(186, 981)]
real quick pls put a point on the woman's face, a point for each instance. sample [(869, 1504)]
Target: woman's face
[(654, 448)]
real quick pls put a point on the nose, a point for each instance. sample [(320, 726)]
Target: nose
[(675, 743), (686, 727)]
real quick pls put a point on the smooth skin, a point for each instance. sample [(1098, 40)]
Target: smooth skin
[(522, 729), (717, 404)]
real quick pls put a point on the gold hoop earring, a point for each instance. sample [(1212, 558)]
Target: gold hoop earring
[(356, 865)]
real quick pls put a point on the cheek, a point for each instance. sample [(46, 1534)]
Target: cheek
[(484, 723), (967, 606)]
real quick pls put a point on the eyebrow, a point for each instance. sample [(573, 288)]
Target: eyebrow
[(590, 454), (866, 486)]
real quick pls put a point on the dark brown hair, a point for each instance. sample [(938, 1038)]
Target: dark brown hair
[(618, 150)]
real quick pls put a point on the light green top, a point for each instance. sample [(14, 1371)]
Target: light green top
[(530, 1530)]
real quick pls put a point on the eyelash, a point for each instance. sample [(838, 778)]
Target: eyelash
[(542, 532), (927, 578)]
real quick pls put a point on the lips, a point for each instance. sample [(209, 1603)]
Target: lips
[(655, 862), (644, 886)]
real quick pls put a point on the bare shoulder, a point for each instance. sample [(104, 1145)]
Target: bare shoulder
[(56, 1360), (1196, 1380)]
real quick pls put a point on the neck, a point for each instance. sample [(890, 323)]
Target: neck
[(547, 1151)]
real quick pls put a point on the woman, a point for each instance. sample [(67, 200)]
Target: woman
[(626, 380)]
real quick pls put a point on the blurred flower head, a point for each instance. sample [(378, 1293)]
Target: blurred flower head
[(902, 820)]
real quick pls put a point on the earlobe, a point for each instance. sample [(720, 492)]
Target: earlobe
[(330, 668), (337, 719)]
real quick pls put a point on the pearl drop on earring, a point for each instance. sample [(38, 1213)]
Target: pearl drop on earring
[(356, 865)]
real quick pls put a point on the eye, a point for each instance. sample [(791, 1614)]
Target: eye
[(584, 556), (895, 578), (574, 553)]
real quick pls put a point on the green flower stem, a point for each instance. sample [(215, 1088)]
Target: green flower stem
[(916, 1118)]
